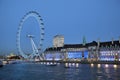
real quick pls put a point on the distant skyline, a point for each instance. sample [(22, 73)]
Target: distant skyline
[(71, 18)]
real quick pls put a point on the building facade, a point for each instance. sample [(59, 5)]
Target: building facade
[(71, 52), (109, 51), (93, 51), (54, 53)]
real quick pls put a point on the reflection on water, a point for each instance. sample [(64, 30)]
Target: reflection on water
[(99, 65), (115, 66), (37, 71), (92, 65)]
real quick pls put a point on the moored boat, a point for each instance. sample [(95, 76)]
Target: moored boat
[(52, 64), (5, 62), (1, 63)]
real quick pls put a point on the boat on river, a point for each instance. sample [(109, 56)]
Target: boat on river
[(51, 64), (1, 63)]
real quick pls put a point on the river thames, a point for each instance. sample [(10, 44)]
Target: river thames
[(37, 71)]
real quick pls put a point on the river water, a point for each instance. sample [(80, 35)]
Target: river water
[(37, 71)]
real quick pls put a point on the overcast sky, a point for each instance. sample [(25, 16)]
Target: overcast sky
[(72, 18)]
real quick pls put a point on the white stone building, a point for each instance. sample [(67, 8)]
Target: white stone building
[(58, 41)]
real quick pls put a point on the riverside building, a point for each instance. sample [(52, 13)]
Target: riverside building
[(109, 51), (93, 51)]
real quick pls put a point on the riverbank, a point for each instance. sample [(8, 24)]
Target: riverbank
[(84, 62)]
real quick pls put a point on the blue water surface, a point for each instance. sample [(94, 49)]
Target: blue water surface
[(37, 71)]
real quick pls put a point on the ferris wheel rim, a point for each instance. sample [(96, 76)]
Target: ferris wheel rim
[(41, 25)]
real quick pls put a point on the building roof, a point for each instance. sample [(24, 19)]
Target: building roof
[(94, 43), (109, 43), (71, 46), (54, 49), (59, 36)]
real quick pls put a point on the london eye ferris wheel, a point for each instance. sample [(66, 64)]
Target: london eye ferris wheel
[(36, 50)]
